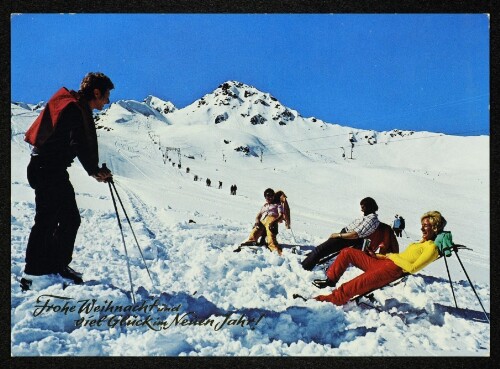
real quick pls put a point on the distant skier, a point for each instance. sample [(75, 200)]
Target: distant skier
[(396, 226), (208, 182), (402, 226), (220, 185), (232, 190), (235, 188), (65, 129)]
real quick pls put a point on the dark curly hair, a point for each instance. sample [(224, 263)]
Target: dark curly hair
[(370, 205), (92, 81), (269, 191)]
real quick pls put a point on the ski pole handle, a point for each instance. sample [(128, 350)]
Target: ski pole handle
[(104, 166)]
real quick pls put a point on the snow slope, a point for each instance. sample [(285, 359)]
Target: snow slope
[(241, 304)]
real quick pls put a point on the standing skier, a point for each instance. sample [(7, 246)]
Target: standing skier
[(64, 130), (396, 226)]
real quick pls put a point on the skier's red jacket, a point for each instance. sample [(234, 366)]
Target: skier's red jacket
[(44, 125), (63, 130)]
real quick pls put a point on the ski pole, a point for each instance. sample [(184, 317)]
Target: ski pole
[(470, 282), (123, 240), (451, 284), (294, 240), (130, 225), (133, 233), (327, 258)]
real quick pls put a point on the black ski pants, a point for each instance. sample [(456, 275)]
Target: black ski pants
[(57, 219), (330, 246)]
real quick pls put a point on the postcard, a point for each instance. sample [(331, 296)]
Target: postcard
[(245, 184)]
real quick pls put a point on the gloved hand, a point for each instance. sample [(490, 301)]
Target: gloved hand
[(103, 174), (444, 243)]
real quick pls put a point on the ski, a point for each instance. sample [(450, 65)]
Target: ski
[(295, 249), (254, 246), (363, 305)]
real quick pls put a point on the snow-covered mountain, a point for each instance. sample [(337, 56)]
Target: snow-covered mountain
[(188, 231)]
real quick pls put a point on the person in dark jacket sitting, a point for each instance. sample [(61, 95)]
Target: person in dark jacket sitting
[(64, 130), (352, 235)]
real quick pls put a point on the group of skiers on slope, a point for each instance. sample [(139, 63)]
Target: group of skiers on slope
[(398, 225), (233, 189), (208, 182), (380, 260), (66, 129)]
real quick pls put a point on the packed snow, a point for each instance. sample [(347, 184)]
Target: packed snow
[(204, 299)]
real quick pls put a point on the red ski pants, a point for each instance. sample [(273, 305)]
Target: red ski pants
[(377, 273)]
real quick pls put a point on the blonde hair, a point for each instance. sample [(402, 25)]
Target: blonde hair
[(436, 220)]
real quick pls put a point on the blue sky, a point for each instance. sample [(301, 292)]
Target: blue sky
[(370, 71)]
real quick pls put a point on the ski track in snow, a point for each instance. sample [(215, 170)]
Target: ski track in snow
[(194, 267)]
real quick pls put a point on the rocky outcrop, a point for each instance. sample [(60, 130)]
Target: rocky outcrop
[(221, 118), (257, 119)]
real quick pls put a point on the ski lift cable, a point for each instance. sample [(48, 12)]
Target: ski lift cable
[(449, 103), (360, 145), (357, 131), (366, 144)]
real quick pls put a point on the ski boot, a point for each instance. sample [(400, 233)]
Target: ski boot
[(323, 283), (70, 273)]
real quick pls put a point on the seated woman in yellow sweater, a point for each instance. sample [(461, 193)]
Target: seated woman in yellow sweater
[(382, 269)]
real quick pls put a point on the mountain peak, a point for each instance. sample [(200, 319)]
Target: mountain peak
[(241, 90), (240, 102), (161, 106)]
